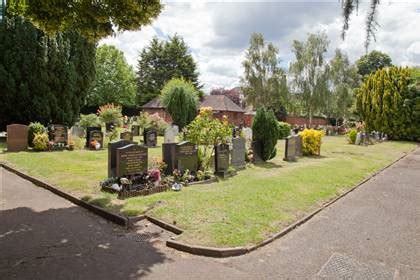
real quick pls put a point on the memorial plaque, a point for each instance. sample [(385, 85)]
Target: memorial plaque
[(221, 162), (299, 151), (112, 155), (17, 137), (290, 149), (257, 151), (58, 134), (168, 156), (131, 160), (126, 135), (238, 153), (98, 136), (88, 130), (135, 130), (150, 137), (186, 156)]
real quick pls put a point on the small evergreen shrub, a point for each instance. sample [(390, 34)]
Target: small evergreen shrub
[(265, 129), (110, 113), (40, 141), (284, 130), (90, 120), (311, 141), (351, 135), (33, 128)]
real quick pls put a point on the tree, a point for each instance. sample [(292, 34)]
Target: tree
[(180, 99), (264, 82), (42, 78), (160, 62), (115, 80), (343, 79), (372, 61), (389, 101), (265, 129), (92, 19), (309, 73)]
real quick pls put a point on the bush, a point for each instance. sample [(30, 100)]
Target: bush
[(265, 129), (33, 128), (351, 135), (40, 141), (157, 123), (284, 129), (110, 113), (79, 143), (311, 141), (90, 120), (180, 99)]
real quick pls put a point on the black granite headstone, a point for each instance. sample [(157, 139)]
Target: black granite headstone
[(150, 137), (221, 159), (168, 156), (98, 136), (131, 160), (88, 130), (112, 155), (238, 152), (186, 156)]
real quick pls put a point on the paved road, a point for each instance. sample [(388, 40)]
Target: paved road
[(372, 233)]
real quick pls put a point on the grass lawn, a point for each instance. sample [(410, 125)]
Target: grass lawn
[(242, 210)]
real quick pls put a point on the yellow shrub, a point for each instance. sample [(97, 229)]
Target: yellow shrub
[(40, 141), (311, 141)]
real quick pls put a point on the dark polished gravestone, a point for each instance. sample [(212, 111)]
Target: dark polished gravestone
[(17, 137), (98, 136), (238, 153), (299, 151), (126, 135), (112, 155), (221, 159), (257, 150), (88, 130), (135, 130), (58, 134), (168, 156), (131, 160), (290, 149), (186, 156), (150, 137)]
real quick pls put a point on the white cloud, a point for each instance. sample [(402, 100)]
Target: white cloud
[(218, 32)]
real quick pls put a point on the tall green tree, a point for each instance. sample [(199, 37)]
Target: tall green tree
[(372, 62), (91, 19), (42, 78), (264, 82), (162, 61), (309, 73), (115, 80), (343, 80)]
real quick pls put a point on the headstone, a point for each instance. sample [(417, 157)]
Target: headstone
[(98, 136), (135, 130), (112, 155), (57, 133), (170, 134), (186, 156), (257, 151), (126, 135), (131, 160), (88, 130), (77, 131), (221, 159), (168, 156), (247, 134), (299, 151), (358, 140), (17, 137), (290, 149), (238, 153), (150, 137)]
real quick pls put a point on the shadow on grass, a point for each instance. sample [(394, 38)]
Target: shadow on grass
[(268, 165)]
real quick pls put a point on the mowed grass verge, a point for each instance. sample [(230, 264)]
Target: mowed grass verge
[(242, 210)]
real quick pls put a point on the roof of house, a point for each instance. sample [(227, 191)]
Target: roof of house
[(220, 103), (153, 104)]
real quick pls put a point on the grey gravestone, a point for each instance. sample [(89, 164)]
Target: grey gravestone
[(126, 135), (247, 134), (150, 137), (170, 134), (17, 137), (168, 156), (221, 159), (299, 151), (112, 155), (238, 153), (135, 130), (358, 138), (131, 160), (98, 136), (58, 134), (77, 131), (257, 151), (88, 130), (290, 149), (186, 156)]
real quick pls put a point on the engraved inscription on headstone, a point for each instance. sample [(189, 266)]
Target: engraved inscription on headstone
[(238, 153), (17, 137), (290, 149), (186, 156), (112, 155), (131, 160)]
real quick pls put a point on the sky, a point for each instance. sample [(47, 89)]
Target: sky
[(218, 32)]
